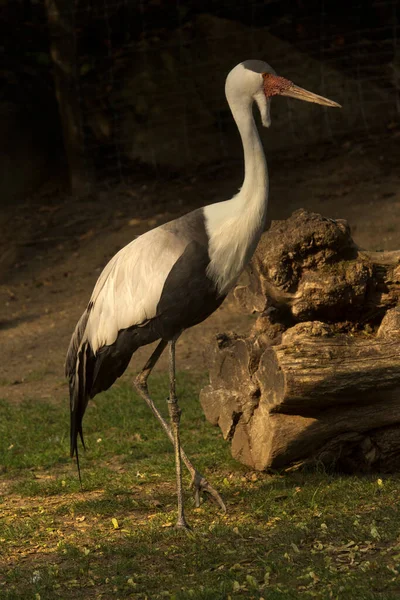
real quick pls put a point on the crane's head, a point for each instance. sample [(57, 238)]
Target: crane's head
[(255, 80)]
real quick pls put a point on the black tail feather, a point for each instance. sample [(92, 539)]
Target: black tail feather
[(80, 384), (91, 374), (77, 373), (78, 465)]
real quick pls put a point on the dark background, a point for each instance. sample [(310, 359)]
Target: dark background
[(142, 81), (113, 120)]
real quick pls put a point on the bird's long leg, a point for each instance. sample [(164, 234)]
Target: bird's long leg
[(175, 416), (199, 482)]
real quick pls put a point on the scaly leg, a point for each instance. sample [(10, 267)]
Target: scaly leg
[(199, 483), (175, 416)]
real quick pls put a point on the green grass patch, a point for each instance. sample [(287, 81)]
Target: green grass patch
[(307, 533)]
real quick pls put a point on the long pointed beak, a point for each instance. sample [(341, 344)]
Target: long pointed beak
[(293, 91)]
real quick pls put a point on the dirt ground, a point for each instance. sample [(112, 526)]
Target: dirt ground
[(53, 247)]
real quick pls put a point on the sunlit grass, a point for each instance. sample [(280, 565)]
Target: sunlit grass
[(307, 533)]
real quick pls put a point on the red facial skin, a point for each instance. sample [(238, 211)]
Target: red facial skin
[(275, 85)]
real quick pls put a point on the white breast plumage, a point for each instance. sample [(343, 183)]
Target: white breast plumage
[(233, 236)]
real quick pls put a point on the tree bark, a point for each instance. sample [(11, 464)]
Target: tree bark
[(309, 268), (63, 50), (318, 378)]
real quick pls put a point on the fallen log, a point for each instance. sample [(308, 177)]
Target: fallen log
[(318, 377)]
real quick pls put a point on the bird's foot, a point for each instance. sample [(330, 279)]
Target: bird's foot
[(182, 524), (200, 484)]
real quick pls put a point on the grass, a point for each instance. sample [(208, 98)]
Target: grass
[(307, 533)]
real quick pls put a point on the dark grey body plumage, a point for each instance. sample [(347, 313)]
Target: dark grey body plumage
[(188, 297)]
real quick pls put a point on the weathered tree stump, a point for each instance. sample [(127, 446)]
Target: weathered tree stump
[(318, 377)]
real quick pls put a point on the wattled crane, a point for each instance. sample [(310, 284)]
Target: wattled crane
[(176, 275)]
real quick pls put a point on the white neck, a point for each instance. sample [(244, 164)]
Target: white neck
[(255, 184), (234, 227)]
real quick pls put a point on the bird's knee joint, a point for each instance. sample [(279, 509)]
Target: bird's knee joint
[(141, 382), (174, 410)]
